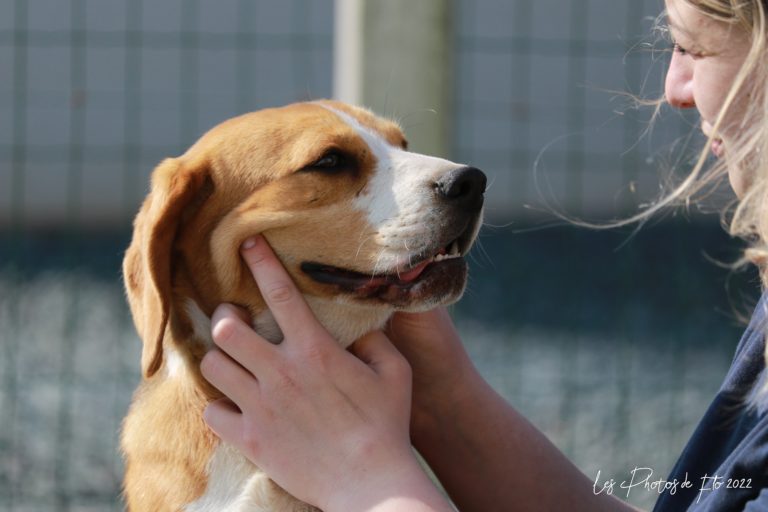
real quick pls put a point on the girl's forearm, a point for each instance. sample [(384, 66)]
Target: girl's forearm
[(489, 457)]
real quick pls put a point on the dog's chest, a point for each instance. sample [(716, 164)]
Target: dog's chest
[(236, 485)]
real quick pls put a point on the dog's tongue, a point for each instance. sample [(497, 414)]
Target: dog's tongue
[(412, 274), (401, 277)]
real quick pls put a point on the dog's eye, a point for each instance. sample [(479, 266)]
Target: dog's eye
[(330, 162)]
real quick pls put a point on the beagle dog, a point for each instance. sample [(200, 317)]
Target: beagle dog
[(363, 226)]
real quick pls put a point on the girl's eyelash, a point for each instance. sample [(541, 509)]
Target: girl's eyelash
[(678, 49), (682, 51)]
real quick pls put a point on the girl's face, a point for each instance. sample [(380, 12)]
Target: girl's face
[(707, 57)]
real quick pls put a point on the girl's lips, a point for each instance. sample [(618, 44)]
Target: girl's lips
[(717, 147), (717, 144)]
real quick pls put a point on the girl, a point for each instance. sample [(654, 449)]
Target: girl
[(487, 456)]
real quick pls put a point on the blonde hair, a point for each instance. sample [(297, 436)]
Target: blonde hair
[(748, 151), (748, 218)]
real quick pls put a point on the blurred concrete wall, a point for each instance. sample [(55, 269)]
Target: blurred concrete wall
[(400, 65)]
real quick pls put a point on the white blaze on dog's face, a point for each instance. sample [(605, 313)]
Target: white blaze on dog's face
[(357, 220)]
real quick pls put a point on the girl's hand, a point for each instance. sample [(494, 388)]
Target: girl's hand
[(329, 426)]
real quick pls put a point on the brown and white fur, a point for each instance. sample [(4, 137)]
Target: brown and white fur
[(363, 226)]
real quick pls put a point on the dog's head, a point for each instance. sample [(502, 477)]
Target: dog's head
[(363, 226)]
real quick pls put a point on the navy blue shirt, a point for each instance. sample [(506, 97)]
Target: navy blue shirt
[(725, 465)]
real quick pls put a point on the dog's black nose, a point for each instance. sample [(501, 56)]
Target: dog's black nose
[(463, 187)]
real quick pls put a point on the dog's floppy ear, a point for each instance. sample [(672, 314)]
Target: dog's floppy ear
[(147, 265)]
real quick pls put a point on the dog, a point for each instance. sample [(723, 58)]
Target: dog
[(363, 226)]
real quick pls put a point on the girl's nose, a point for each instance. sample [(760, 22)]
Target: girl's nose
[(678, 87)]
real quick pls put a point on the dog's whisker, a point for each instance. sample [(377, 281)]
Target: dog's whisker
[(361, 244), (363, 238), (408, 253), (376, 264)]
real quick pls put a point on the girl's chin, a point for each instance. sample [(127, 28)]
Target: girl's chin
[(738, 182)]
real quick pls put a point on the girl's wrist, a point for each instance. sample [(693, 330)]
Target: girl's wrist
[(403, 486)]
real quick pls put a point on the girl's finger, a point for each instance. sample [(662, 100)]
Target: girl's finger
[(228, 376), (224, 418), (237, 339), (380, 354), (293, 315)]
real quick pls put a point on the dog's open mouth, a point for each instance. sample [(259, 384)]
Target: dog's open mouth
[(420, 277), (351, 279)]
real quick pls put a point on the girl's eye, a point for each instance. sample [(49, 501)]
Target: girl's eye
[(682, 51)]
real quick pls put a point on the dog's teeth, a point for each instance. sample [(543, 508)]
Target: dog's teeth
[(451, 253)]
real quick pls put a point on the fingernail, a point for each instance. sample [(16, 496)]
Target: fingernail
[(221, 311), (250, 243)]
